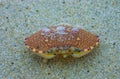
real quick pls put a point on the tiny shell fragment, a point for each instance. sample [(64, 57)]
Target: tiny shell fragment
[(61, 39)]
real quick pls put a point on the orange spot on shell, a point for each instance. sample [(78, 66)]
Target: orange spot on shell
[(78, 38), (40, 52), (33, 50), (85, 50), (91, 47), (46, 40), (97, 43)]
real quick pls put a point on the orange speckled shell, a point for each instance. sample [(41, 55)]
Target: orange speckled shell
[(57, 36)]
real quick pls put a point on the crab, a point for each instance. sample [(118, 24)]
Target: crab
[(62, 40)]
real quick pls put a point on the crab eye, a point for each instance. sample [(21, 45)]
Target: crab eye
[(77, 50), (49, 51)]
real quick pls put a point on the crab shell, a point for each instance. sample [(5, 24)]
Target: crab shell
[(62, 40)]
